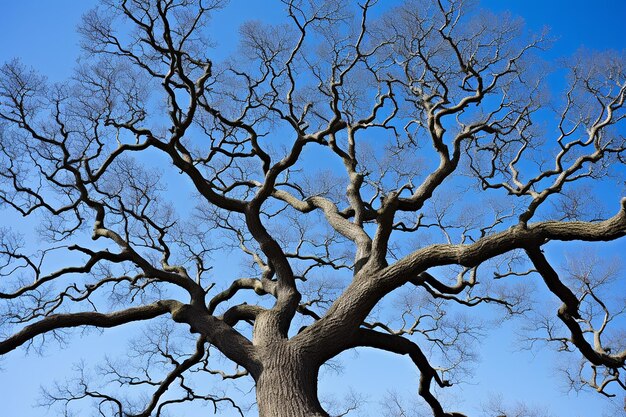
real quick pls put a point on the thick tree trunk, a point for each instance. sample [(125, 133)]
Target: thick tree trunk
[(287, 385)]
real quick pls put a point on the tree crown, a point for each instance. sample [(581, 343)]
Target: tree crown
[(338, 155)]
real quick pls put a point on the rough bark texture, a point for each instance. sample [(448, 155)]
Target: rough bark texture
[(287, 385)]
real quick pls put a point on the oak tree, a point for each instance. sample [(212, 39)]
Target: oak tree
[(345, 153)]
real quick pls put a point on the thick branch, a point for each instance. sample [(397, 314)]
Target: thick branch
[(403, 346), (569, 314), (63, 321)]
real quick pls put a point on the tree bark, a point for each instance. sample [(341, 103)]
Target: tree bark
[(287, 385)]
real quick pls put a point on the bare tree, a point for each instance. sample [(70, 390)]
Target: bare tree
[(342, 153)]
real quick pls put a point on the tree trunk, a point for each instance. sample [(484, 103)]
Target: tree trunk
[(287, 385)]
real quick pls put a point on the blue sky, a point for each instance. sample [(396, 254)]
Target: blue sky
[(42, 34)]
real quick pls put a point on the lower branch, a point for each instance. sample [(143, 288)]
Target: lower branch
[(175, 373), (63, 321), (221, 334), (403, 346), (568, 312)]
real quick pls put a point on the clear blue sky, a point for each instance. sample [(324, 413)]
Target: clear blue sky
[(41, 33)]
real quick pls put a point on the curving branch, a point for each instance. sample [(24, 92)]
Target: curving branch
[(64, 321), (402, 346)]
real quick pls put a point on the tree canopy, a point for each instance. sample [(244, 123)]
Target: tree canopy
[(355, 175)]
